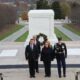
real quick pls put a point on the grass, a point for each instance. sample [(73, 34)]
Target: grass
[(73, 28), (60, 34), (23, 37), (9, 29)]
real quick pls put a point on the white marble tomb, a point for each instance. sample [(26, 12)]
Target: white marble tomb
[(41, 21)]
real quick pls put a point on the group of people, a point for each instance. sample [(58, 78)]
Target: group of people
[(47, 53)]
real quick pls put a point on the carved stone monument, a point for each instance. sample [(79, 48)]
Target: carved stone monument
[(41, 21)]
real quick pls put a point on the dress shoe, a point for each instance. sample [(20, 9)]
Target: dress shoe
[(32, 76), (64, 75), (60, 76), (37, 71), (47, 75)]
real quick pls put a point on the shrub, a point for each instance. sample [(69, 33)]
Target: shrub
[(24, 16)]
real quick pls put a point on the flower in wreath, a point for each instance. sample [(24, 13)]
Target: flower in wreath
[(42, 38)]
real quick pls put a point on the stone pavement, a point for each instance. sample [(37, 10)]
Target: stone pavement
[(19, 58), (23, 74), (15, 67), (71, 35), (16, 35)]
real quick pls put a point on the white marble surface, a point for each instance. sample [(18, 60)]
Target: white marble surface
[(41, 21), (8, 53), (73, 51), (13, 52)]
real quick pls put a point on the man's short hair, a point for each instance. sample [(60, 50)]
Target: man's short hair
[(31, 39), (59, 38), (34, 36)]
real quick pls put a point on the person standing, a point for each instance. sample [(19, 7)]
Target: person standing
[(60, 51), (31, 55), (46, 57), (37, 43)]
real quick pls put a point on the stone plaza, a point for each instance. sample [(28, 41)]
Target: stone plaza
[(14, 66)]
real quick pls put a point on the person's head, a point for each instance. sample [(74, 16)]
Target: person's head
[(59, 39), (31, 41), (34, 37), (46, 44)]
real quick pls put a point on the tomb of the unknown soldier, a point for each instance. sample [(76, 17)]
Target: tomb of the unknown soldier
[(14, 66)]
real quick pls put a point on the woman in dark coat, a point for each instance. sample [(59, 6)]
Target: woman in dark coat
[(46, 57)]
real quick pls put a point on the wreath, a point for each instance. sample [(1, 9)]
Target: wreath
[(44, 37)]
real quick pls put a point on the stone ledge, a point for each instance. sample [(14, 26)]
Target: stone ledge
[(19, 66)]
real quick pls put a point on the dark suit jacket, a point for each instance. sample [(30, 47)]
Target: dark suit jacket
[(46, 54), (31, 54), (38, 46)]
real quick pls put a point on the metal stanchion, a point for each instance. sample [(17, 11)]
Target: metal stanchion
[(1, 77), (76, 76)]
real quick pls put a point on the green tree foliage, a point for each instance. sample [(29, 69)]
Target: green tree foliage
[(61, 9), (57, 9), (66, 8), (42, 4)]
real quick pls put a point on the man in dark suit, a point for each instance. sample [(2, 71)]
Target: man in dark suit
[(37, 43), (31, 54), (60, 51)]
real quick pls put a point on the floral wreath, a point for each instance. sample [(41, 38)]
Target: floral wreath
[(44, 37)]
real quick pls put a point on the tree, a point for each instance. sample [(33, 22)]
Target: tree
[(57, 9), (17, 3), (42, 4), (66, 8), (8, 14)]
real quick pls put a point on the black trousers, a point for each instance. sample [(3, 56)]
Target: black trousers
[(47, 66), (31, 63), (61, 63), (36, 66)]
